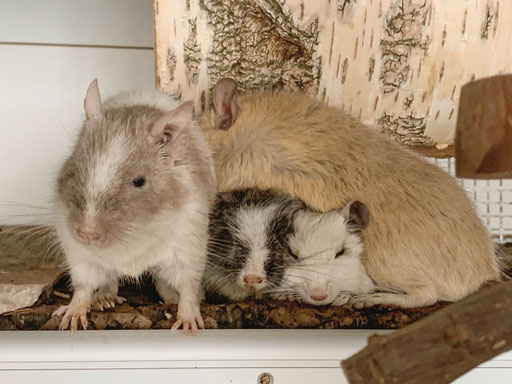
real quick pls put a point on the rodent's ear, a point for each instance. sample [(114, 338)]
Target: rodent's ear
[(225, 104), (356, 214), (92, 102), (171, 132)]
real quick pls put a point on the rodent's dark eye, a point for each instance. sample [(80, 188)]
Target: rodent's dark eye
[(340, 253), (292, 254), (139, 181)]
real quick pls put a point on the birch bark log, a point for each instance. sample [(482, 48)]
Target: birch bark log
[(395, 64)]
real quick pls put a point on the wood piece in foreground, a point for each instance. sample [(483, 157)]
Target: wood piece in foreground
[(441, 347)]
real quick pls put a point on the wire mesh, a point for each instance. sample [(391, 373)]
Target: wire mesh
[(492, 198)]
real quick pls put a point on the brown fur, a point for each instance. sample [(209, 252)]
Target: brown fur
[(424, 238)]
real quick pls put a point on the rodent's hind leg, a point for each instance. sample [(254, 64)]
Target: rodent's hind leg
[(106, 297), (405, 300), (166, 291)]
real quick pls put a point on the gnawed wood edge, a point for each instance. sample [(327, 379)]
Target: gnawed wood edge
[(441, 347)]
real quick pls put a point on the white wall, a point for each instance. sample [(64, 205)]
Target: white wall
[(50, 50)]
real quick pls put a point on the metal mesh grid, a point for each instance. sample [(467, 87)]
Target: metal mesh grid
[(493, 199)]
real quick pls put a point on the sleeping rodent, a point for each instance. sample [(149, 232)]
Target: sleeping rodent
[(425, 239), (133, 197), (268, 244), (327, 249), (247, 250)]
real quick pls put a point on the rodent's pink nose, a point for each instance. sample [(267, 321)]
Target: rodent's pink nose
[(252, 280), (88, 233), (318, 297), (318, 294)]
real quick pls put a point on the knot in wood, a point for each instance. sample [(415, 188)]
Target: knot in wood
[(456, 335)]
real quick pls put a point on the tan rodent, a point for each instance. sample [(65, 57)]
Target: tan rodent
[(134, 197), (425, 241)]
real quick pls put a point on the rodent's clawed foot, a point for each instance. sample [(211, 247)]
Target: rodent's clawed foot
[(342, 299), (421, 299), (191, 321), (373, 299), (71, 314), (364, 301), (102, 301), (284, 296)]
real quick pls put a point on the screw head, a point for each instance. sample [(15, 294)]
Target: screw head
[(265, 378)]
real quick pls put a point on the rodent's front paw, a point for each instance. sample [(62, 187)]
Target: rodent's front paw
[(190, 320), (341, 299), (284, 296), (365, 301), (71, 314)]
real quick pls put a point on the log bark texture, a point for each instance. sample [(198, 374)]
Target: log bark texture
[(442, 347), (394, 64), (484, 129), (144, 310)]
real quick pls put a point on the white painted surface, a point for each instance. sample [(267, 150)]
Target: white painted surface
[(213, 356), (41, 97), (96, 22), (42, 87)]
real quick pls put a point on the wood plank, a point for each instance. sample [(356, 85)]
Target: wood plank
[(441, 347)]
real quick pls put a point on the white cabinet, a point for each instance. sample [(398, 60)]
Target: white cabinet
[(213, 356)]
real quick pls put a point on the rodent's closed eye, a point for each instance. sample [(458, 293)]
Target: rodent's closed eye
[(340, 253), (139, 182), (292, 254)]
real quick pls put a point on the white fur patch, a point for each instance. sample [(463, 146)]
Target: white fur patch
[(317, 240), (252, 229), (104, 169)]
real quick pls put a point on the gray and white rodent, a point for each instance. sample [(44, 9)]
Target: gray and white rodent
[(267, 244), (134, 197), (426, 239)]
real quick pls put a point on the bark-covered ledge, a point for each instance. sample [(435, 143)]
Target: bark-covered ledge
[(144, 310)]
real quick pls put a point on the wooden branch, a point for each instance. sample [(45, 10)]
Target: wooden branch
[(441, 347), (484, 129)]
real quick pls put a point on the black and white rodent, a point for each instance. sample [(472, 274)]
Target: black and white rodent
[(327, 248), (134, 196), (249, 231), (264, 243)]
